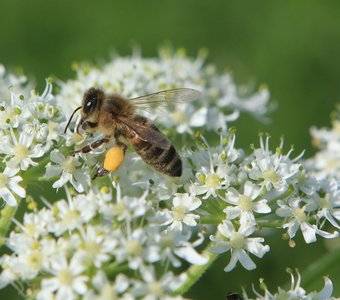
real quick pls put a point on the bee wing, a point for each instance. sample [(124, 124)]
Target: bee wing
[(166, 97), (146, 133)]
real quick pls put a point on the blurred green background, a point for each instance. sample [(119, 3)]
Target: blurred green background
[(291, 46)]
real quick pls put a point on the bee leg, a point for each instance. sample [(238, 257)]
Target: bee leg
[(92, 146), (100, 172)]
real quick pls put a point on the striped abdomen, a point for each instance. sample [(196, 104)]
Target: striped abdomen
[(166, 161)]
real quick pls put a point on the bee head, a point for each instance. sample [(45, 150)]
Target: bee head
[(92, 100), (90, 108)]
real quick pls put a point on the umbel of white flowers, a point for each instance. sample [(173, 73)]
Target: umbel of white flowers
[(111, 238)]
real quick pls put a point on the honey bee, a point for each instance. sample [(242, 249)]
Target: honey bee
[(115, 117)]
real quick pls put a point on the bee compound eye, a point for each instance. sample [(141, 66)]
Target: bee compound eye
[(90, 104)]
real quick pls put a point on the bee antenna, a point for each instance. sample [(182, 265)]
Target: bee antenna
[(70, 119)]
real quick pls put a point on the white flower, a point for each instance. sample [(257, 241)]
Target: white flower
[(245, 204), (297, 218), (9, 184), (8, 275), (9, 116), (68, 281), (97, 245), (169, 245), (71, 214), (126, 207), (132, 248), (330, 203), (153, 287), (208, 184), (217, 170), (39, 131), (21, 152), (105, 290), (14, 112), (239, 244), (180, 214), (272, 170), (67, 167), (27, 265), (184, 117), (256, 104), (13, 82)]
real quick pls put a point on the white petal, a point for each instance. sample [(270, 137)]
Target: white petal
[(7, 277), (191, 256), (255, 247), (10, 172), (247, 219), (65, 292), (246, 229), (308, 232), (326, 234), (330, 218), (261, 207), (199, 117), (176, 226), (7, 148), (61, 181), (254, 174), (293, 227), (226, 228), (283, 212), (20, 191), (251, 190), (327, 291), (50, 284), (195, 203), (77, 185), (220, 247), (189, 219), (37, 151), (232, 212), (232, 263), (245, 260), (232, 196), (79, 285), (8, 197), (57, 157), (121, 283), (52, 170)]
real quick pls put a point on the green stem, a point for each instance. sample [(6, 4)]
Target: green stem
[(210, 220), (112, 269), (6, 215), (321, 267), (195, 272), (269, 223)]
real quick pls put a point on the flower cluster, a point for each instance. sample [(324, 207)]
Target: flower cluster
[(79, 244), (135, 233), (29, 124), (221, 99)]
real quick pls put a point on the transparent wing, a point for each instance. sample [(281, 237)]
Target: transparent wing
[(164, 98), (146, 133)]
